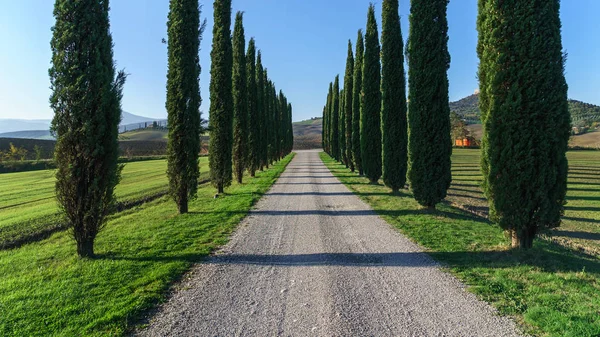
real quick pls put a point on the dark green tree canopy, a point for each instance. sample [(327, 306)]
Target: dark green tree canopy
[(253, 160), (221, 98), (348, 92), (393, 99), (525, 115), (240, 99), (86, 99), (183, 100), (356, 102), (430, 146), (371, 101)]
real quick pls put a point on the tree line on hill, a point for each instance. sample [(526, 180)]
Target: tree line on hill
[(370, 126), (250, 122)]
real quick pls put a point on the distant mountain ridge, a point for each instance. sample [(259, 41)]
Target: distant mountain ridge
[(468, 109), (40, 128)]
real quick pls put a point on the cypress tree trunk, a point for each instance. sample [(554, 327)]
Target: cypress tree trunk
[(348, 92), (253, 158), (356, 102), (525, 116), (221, 98), (262, 116), (335, 119), (183, 101), (370, 128), (86, 99), (393, 99), (430, 146), (240, 99)]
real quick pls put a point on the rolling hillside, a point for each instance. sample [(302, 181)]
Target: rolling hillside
[(468, 109), (307, 134), (39, 128)]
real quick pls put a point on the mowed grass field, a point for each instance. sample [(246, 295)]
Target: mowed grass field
[(46, 290), (28, 204), (581, 224), (552, 289)]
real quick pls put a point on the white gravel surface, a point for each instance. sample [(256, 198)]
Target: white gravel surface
[(312, 259)]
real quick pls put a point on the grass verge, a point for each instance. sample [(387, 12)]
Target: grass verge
[(550, 290), (46, 290), (28, 208)]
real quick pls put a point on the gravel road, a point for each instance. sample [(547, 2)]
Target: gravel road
[(312, 259)]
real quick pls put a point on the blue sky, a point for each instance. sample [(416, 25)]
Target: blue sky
[(303, 43)]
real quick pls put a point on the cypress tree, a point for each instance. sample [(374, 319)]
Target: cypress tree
[(342, 126), (221, 98), (253, 157), (290, 130), (356, 102), (430, 146), (240, 99), (183, 101), (370, 129), (329, 117), (281, 121), (268, 117), (324, 129), (525, 115), (393, 99), (335, 119), (348, 92), (274, 124), (260, 106), (86, 99)]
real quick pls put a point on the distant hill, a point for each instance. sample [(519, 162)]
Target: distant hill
[(581, 113), (149, 134), (30, 134), (307, 134), (39, 128)]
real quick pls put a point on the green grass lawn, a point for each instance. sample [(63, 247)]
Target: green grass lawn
[(581, 224), (551, 290), (28, 204), (46, 290)]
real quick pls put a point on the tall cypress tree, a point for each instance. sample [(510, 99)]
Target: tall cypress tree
[(525, 115), (342, 126), (274, 124), (290, 130), (253, 157), (86, 99), (335, 119), (260, 106), (240, 99), (348, 92), (370, 128), (329, 108), (324, 130), (281, 123), (430, 146), (183, 100), (393, 99), (221, 98), (356, 102)]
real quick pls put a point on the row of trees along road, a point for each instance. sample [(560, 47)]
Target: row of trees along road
[(523, 102), (250, 123)]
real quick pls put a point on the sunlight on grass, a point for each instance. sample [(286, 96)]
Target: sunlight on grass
[(46, 290), (550, 290)]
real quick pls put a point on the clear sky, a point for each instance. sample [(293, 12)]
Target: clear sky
[(303, 42)]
